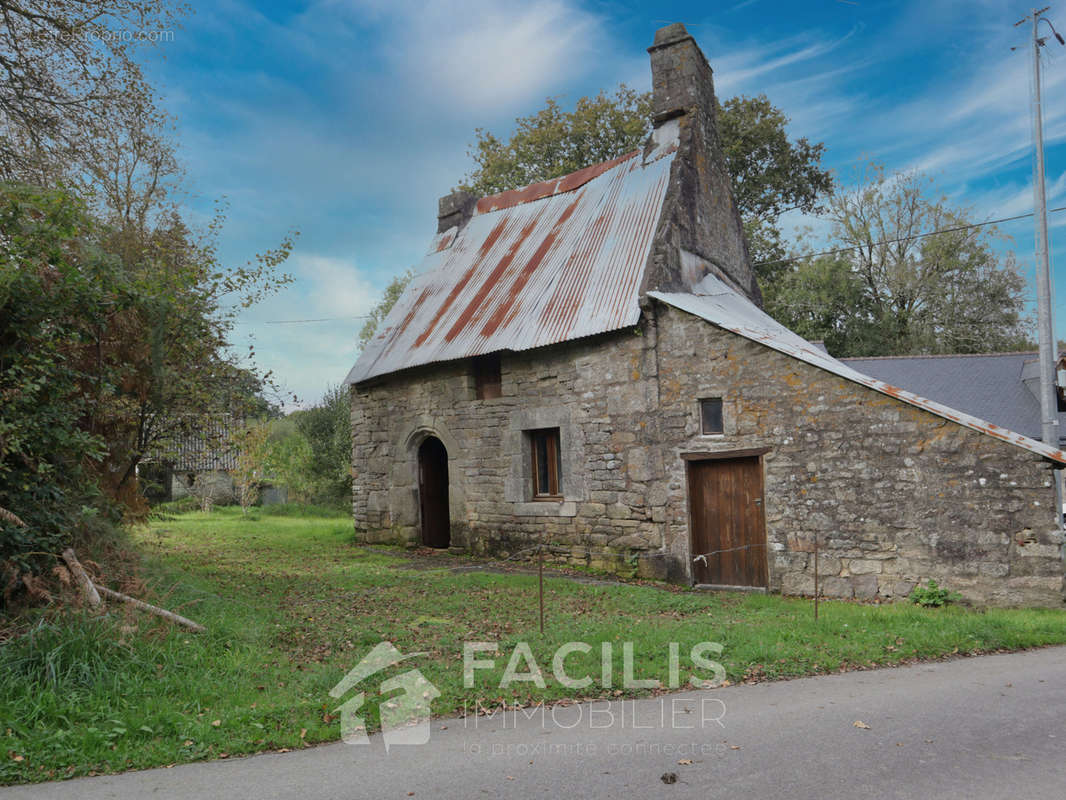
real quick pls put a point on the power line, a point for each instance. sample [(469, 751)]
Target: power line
[(320, 319), (903, 238)]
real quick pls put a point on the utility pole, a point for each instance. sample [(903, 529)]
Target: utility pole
[(1049, 413)]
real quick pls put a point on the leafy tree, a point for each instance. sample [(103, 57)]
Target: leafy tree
[(104, 357), (554, 142), (327, 427), (381, 310), (252, 463), (771, 174), (289, 458), (892, 293), (824, 299), (177, 368)]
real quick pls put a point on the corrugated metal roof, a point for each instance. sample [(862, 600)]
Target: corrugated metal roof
[(203, 445), (718, 304), (537, 266)]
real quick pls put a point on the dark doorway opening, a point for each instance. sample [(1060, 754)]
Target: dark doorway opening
[(433, 493), (727, 523)]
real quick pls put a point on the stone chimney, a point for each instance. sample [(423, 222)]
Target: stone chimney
[(455, 209), (699, 231), (681, 77)]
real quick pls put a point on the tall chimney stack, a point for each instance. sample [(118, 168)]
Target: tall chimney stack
[(700, 231), (681, 77)]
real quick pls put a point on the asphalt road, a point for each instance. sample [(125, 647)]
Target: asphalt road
[(990, 727)]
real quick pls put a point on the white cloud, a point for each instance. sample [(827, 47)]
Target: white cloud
[(307, 356), (480, 54)]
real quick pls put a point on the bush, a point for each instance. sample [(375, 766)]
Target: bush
[(933, 595), (56, 288), (327, 427)]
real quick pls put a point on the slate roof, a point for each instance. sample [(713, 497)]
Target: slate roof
[(536, 266), (986, 386), (717, 303)]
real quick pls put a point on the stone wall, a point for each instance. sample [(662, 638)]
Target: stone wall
[(599, 391), (894, 493)]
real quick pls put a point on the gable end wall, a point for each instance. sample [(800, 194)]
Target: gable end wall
[(894, 493)]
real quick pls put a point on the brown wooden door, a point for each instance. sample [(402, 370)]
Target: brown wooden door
[(433, 493), (726, 513)]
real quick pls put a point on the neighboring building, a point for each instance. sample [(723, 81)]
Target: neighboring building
[(585, 362), (201, 460), (997, 387)]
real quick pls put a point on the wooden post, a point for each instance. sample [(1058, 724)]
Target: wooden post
[(540, 582), (816, 586)]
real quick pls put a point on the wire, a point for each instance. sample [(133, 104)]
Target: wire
[(703, 556), (905, 238), (320, 319)]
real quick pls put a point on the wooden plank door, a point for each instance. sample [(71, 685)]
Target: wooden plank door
[(726, 514), (433, 493)]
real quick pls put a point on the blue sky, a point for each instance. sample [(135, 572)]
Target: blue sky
[(347, 120)]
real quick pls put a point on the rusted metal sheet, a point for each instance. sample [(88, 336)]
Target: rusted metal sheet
[(718, 304), (541, 265)]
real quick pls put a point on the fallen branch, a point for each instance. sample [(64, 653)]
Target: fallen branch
[(159, 612), (88, 590), (11, 516)]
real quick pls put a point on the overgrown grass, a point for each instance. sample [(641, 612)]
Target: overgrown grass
[(291, 605)]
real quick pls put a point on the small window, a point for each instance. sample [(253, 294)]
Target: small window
[(547, 464), (487, 383), (711, 416)]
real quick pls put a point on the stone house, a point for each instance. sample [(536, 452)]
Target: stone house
[(585, 363)]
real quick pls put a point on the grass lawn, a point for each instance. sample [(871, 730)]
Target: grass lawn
[(291, 605)]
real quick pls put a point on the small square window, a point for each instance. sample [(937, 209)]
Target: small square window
[(547, 464), (711, 416), (487, 381)]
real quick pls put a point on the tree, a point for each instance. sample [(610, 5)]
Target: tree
[(105, 356), (252, 463), (823, 299), (771, 174), (384, 306), (893, 292), (68, 70), (327, 427), (554, 142), (289, 458), (173, 344)]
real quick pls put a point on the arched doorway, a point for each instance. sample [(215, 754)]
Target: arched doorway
[(433, 493)]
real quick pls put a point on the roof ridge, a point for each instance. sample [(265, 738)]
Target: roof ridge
[(550, 187), (943, 355)]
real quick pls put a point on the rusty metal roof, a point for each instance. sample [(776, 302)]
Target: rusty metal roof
[(555, 261), (720, 305)]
